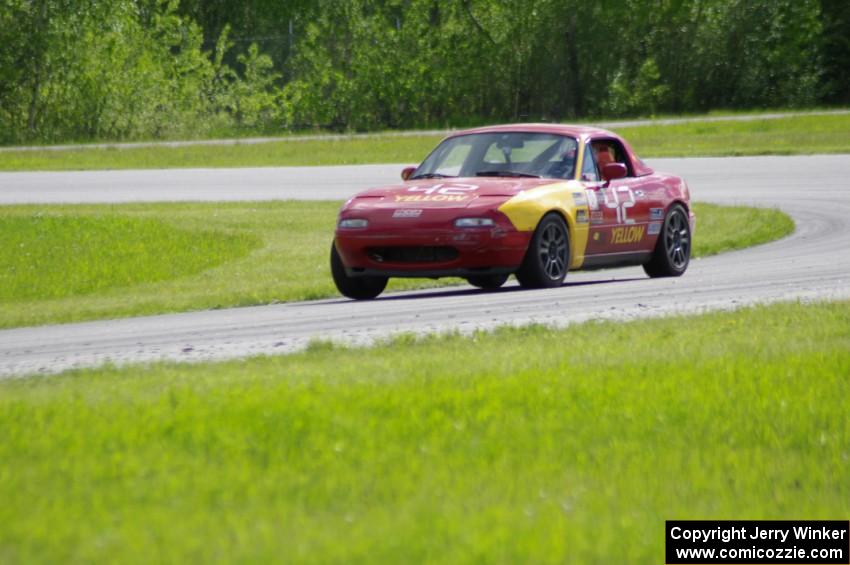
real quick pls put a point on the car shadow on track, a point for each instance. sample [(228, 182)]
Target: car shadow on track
[(451, 292), (448, 292)]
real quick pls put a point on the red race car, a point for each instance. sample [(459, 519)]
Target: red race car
[(529, 200)]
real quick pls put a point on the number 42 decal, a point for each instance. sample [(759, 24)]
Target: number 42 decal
[(621, 199), (445, 189)]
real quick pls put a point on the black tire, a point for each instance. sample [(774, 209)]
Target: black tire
[(487, 282), (358, 288), (548, 257), (673, 249)]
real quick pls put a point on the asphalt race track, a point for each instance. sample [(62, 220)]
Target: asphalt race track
[(174, 185), (811, 264)]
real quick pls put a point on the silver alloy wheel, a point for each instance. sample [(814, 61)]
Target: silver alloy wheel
[(678, 239), (553, 251)]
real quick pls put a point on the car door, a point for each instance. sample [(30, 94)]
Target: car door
[(620, 209)]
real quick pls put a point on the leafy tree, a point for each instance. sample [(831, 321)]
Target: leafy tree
[(835, 23), (84, 69)]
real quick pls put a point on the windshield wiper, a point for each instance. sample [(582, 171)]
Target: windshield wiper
[(431, 176), (505, 174)]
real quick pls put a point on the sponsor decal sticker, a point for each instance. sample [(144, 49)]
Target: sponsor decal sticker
[(407, 213), (597, 237), (430, 198), (592, 201), (639, 193), (627, 234), (581, 216), (656, 213), (654, 228), (596, 217), (438, 193), (580, 199)]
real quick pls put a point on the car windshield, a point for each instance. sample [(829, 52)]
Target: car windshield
[(504, 154)]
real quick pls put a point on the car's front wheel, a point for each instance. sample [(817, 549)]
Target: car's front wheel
[(359, 288), (548, 257), (487, 282), (673, 249)]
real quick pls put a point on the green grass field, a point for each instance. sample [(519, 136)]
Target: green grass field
[(525, 445), (786, 136), (59, 256), (793, 135), (71, 263)]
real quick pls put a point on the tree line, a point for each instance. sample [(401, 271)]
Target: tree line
[(77, 70)]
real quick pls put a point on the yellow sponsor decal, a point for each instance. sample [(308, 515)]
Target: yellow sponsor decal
[(630, 234), (430, 198)]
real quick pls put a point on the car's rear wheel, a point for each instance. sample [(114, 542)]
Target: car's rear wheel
[(673, 249), (548, 257), (359, 288), (487, 282)]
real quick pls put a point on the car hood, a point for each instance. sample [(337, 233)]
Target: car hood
[(445, 193)]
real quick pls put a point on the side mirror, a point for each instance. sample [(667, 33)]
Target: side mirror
[(613, 171), (406, 172)]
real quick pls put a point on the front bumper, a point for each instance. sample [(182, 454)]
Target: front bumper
[(432, 252)]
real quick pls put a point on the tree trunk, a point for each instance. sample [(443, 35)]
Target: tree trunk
[(575, 92), (41, 48)]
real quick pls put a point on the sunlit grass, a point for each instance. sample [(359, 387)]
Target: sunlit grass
[(795, 135), (45, 256), (786, 136), (70, 263), (522, 446), (724, 228), (348, 151)]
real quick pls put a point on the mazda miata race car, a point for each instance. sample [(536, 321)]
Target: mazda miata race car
[(530, 200)]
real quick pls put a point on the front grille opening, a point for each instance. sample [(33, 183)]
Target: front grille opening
[(412, 254)]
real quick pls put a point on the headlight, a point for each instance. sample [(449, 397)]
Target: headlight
[(474, 222), (353, 223)]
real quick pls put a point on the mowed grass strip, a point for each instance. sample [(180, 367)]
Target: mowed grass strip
[(72, 263), (45, 256), (726, 228), (800, 135), (784, 136), (348, 151), (521, 446)]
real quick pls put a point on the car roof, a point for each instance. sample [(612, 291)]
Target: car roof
[(559, 129), (639, 168)]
